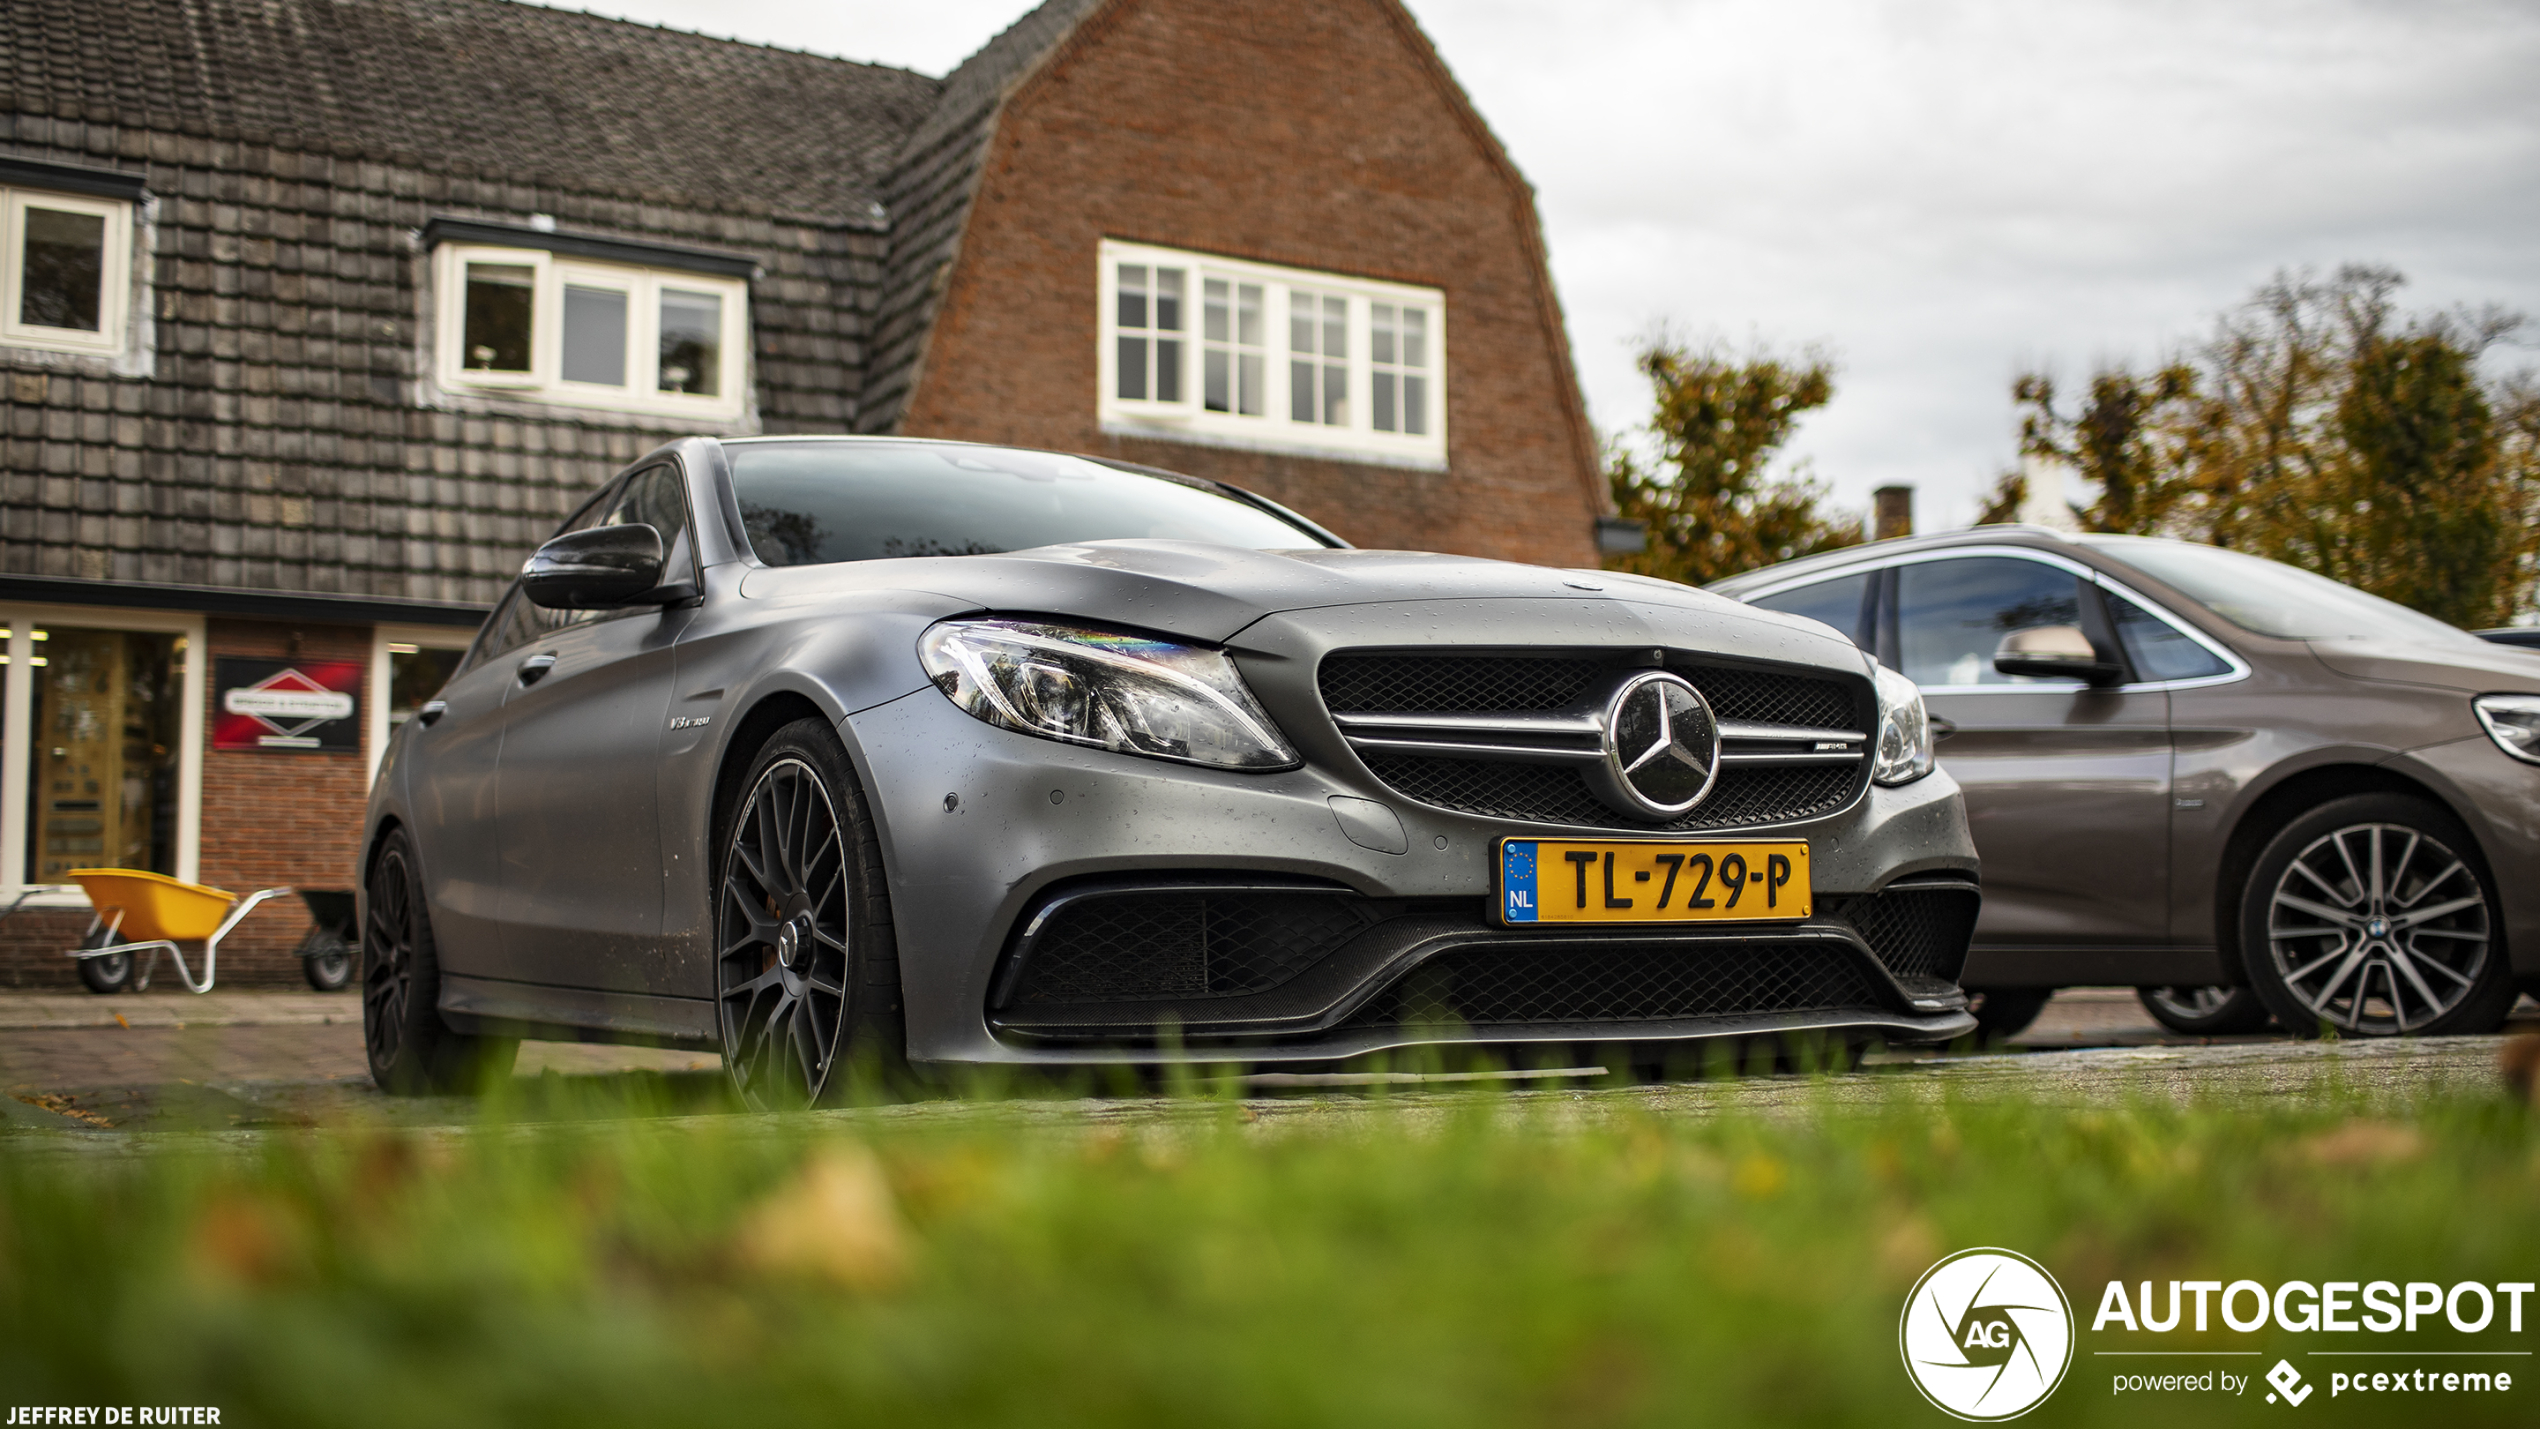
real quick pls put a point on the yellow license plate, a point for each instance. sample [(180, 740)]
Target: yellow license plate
[(1636, 881)]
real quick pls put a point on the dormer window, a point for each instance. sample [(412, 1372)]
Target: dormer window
[(65, 270), (577, 328)]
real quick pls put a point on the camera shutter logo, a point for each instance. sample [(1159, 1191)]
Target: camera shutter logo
[(1987, 1334)]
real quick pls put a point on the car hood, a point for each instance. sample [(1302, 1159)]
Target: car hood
[(1206, 592), (2485, 669)]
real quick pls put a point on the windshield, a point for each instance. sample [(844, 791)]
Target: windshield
[(813, 503), (2271, 598)]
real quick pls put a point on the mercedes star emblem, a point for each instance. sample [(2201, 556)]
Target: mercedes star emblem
[(1662, 748)]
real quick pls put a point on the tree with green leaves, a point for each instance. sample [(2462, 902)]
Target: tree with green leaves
[(1710, 501), (2321, 428)]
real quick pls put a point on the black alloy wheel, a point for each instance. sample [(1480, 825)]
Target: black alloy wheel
[(2205, 1011), (806, 980), (2374, 916), (109, 974), (412, 1051)]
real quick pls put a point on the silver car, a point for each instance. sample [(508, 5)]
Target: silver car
[(826, 751), (2249, 791)]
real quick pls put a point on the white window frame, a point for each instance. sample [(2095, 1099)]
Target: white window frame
[(115, 278), (1274, 430), (382, 639), (544, 382), (17, 706)]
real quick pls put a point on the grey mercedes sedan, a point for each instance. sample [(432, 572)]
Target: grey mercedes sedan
[(836, 752), (2247, 790)]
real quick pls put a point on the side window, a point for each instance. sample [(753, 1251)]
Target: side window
[(519, 619), (1952, 615), (657, 497), (2159, 650), (1837, 602)]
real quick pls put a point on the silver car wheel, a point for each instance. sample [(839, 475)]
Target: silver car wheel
[(2378, 929), (2190, 1002), (781, 953)]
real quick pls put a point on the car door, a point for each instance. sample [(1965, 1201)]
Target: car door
[(583, 717), (449, 764), (2067, 786)]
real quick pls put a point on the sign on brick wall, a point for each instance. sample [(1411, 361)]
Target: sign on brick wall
[(303, 707)]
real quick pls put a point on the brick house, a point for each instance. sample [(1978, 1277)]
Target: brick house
[(316, 315)]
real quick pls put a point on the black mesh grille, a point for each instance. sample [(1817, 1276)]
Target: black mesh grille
[(1916, 932), (1555, 794), (1451, 684), (1148, 946), (1500, 987), (1501, 684)]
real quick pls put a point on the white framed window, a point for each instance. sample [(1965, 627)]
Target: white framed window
[(65, 271), (546, 327), (1278, 359), (101, 745), (408, 665)]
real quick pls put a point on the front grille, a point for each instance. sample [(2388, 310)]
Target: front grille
[(1151, 946), (1505, 684), (1745, 796), (1555, 794), (1504, 987), (1916, 932)]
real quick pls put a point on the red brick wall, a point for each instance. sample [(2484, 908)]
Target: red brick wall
[(1319, 134), (271, 818)]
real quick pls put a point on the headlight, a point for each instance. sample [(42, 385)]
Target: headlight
[(1903, 753), (2513, 721), (1131, 693)]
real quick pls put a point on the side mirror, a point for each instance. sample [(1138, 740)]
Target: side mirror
[(597, 569), (2052, 652)]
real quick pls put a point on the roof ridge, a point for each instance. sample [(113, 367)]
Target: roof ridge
[(590, 14)]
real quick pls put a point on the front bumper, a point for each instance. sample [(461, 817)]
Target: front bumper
[(981, 827)]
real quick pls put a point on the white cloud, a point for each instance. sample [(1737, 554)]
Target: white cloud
[(1942, 192)]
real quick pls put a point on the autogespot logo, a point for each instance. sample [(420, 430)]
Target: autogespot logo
[(1987, 1334)]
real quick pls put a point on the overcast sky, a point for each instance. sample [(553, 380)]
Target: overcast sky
[(1939, 194)]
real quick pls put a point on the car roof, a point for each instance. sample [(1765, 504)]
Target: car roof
[(2042, 537)]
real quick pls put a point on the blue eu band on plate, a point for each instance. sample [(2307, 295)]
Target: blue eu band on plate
[(1646, 881)]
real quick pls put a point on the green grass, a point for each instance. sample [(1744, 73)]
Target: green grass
[(1467, 1261)]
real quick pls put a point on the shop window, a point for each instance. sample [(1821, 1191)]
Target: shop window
[(65, 268), (1286, 359), (548, 328), (103, 751)]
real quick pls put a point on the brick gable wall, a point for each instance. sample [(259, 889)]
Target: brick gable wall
[(1320, 134)]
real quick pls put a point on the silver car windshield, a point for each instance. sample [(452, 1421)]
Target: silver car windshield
[(2271, 598), (814, 503)]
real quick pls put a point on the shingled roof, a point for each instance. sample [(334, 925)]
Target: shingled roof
[(272, 441), (479, 88)]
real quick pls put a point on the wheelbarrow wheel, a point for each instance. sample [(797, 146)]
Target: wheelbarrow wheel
[(112, 973), (412, 1051), (326, 960)]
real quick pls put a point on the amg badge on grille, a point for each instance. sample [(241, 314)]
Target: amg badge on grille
[(1662, 748)]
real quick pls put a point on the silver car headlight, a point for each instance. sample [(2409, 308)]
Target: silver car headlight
[(1133, 694), (2513, 721), (1904, 751)]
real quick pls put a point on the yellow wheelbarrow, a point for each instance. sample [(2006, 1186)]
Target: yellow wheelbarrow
[(138, 912)]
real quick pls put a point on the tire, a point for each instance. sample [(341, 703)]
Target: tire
[(2002, 1013), (2375, 915), (2205, 1011), (412, 1051), (807, 985), (326, 961), (108, 974)]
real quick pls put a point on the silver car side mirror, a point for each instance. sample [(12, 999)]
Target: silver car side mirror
[(2052, 652)]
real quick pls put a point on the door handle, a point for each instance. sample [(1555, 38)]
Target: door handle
[(432, 710), (535, 668)]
